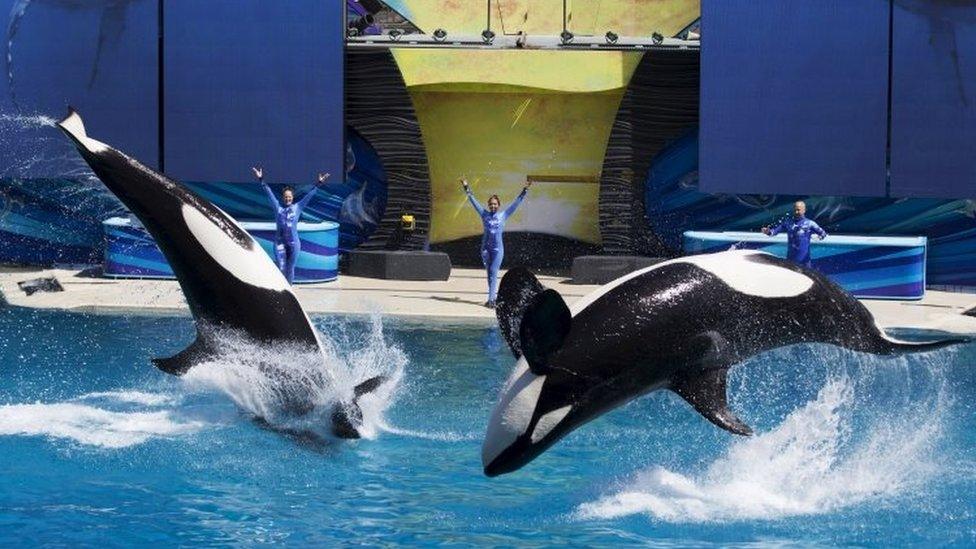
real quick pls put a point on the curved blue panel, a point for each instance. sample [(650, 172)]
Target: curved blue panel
[(794, 97), (98, 55), (675, 204), (251, 82), (130, 252), (43, 222), (933, 102), (357, 203), (871, 267)]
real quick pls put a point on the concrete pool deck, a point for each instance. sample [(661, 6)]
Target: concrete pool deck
[(459, 298)]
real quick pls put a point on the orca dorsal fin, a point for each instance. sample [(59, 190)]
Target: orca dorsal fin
[(515, 293), (544, 327), (706, 392)]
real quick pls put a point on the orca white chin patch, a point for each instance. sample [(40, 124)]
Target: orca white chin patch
[(514, 410), (251, 266), (548, 422)]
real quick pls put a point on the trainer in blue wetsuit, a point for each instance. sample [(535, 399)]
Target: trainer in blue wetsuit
[(798, 229), (492, 246), (287, 214)]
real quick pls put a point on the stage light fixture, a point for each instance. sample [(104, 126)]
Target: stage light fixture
[(611, 37), (395, 34), (566, 37), (658, 38), (487, 36), (440, 35), (359, 26)]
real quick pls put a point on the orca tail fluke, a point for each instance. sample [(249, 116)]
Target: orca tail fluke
[(182, 361), (518, 288), (74, 127)]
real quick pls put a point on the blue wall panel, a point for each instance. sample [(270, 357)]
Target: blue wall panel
[(933, 112), (98, 55), (794, 96), (253, 82)]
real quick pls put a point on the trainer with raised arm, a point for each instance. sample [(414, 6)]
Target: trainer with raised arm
[(287, 214), (799, 230), (492, 247)]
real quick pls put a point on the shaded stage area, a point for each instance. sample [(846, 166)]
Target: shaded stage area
[(541, 251)]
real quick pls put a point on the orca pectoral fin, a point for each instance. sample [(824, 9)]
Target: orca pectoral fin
[(182, 361), (515, 293), (544, 327), (369, 385), (706, 392)]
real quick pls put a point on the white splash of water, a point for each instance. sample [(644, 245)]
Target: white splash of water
[(28, 121), (445, 436), (836, 451), (131, 397), (91, 425), (293, 389)]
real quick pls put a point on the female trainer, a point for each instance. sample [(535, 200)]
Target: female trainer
[(287, 214), (492, 247)]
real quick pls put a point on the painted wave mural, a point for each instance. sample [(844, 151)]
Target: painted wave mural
[(674, 205), (58, 221)]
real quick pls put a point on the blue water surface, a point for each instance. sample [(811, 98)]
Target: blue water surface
[(97, 447)]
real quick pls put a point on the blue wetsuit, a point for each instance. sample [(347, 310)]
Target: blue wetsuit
[(492, 247), (287, 243), (798, 231)]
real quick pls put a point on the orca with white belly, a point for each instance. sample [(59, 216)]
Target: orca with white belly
[(678, 325), (229, 282)]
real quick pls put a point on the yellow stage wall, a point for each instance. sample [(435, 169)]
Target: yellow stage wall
[(498, 117)]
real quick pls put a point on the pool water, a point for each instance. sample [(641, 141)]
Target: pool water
[(96, 446)]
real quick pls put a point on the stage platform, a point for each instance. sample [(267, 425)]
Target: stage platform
[(458, 299)]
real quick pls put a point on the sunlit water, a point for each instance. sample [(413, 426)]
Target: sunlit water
[(96, 446)]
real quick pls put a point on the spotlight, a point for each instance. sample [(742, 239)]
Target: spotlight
[(658, 38), (611, 37), (440, 35), (395, 34), (566, 37), (360, 25), (487, 36)]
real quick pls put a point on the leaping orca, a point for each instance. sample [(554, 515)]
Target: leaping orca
[(227, 279), (677, 325)]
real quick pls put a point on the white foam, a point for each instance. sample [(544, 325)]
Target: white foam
[(131, 397), (269, 382), (446, 436), (809, 464), (90, 425)]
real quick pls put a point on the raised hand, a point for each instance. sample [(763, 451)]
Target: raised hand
[(258, 172), (323, 177)]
